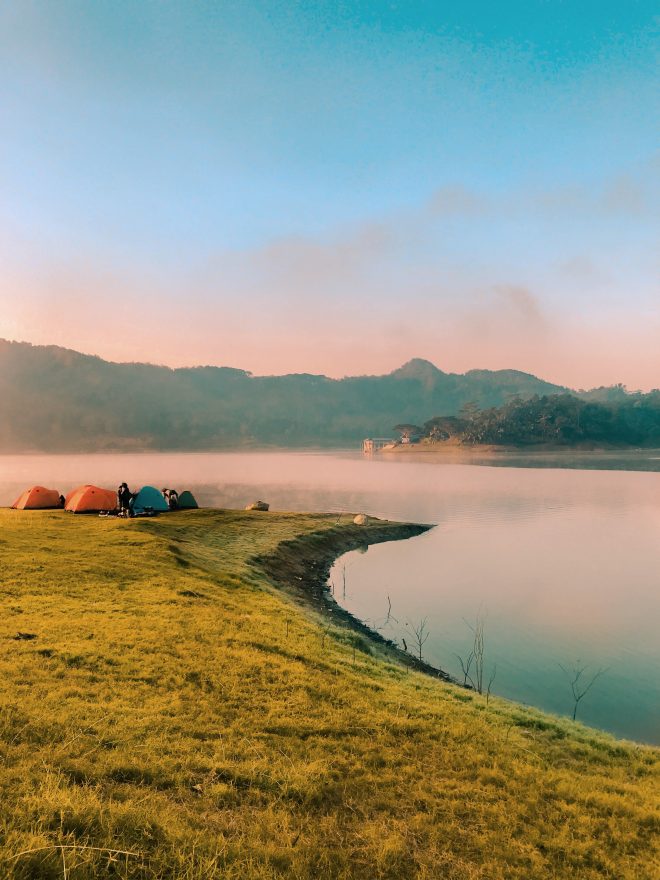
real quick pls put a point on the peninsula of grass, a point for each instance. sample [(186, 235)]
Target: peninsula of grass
[(173, 705)]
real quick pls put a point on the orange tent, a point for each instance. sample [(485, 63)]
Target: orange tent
[(90, 499), (69, 496), (37, 498)]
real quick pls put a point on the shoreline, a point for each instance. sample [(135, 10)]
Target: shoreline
[(575, 458), (301, 567), (450, 448), (200, 717)]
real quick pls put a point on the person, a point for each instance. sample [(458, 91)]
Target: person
[(62, 501), (124, 496), (166, 495), (173, 499)]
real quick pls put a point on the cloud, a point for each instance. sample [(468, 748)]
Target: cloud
[(510, 316), (409, 250), (457, 201), (364, 296), (299, 261), (582, 268), (623, 195), (522, 305)]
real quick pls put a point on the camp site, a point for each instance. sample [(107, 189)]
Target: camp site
[(188, 699), (93, 499), (329, 440)]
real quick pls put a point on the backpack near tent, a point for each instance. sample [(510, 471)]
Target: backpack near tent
[(90, 499), (187, 501), (37, 498), (148, 500)]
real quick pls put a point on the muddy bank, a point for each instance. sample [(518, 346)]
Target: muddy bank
[(301, 567)]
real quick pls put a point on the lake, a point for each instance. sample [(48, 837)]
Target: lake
[(561, 562)]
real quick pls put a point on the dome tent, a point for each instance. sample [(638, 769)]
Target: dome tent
[(70, 494), (37, 498), (90, 499), (187, 501), (148, 499)]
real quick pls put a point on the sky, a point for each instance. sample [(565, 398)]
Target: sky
[(335, 187)]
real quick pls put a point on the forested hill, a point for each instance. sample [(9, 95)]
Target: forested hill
[(53, 399), (554, 420)]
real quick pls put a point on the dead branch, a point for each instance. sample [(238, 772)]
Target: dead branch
[(580, 686)]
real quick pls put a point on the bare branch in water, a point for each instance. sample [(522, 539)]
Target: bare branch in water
[(580, 686)]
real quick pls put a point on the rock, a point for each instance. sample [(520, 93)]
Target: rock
[(258, 505), (361, 519)]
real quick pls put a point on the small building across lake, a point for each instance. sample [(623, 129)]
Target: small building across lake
[(373, 444)]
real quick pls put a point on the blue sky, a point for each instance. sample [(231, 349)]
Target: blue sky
[(334, 187)]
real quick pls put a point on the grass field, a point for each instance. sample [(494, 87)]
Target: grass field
[(177, 716)]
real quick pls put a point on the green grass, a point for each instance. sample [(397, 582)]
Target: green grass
[(176, 706)]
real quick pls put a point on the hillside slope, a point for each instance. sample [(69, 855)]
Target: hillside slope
[(169, 714), (53, 399)]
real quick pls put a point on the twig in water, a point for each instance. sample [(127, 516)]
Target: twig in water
[(490, 682), (465, 669), (580, 688), (390, 616), (421, 634)]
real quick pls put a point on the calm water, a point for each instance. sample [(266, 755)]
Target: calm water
[(563, 564)]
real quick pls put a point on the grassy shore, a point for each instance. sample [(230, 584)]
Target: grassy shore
[(183, 711)]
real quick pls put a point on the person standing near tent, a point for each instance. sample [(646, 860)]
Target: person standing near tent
[(124, 496), (173, 499)]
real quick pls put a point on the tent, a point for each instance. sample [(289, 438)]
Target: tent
[(187, 501), (69, 495), (91, 499), (149, 499), (37, 498)]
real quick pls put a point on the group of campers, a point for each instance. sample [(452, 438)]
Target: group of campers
[(92, 499), (147, 501)]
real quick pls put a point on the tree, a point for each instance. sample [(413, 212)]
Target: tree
[(409, 432), (469, 411), (580, 686), (473, 665), (420, 634), (444, 427)]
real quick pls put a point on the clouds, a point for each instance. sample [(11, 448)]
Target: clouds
[(460, 244), (621, 196), (522, 304), (466, 277)]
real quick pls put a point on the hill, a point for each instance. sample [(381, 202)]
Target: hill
[(54, 399), (170, 713), (556, 420)]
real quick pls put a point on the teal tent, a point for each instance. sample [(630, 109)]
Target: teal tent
[(147, 500), (187, 501)]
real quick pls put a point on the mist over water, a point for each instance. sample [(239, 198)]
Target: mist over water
[(563, 564)]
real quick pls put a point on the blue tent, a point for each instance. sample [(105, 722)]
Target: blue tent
[(187, 501), (148, 499)]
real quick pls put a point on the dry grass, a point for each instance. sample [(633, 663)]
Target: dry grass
[(162, 724)]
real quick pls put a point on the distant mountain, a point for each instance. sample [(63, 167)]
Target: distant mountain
[(54, 399)]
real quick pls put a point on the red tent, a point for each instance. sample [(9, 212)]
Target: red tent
[(37, 498), (89, 499)]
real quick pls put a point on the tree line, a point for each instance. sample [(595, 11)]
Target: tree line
[(554, 419)]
